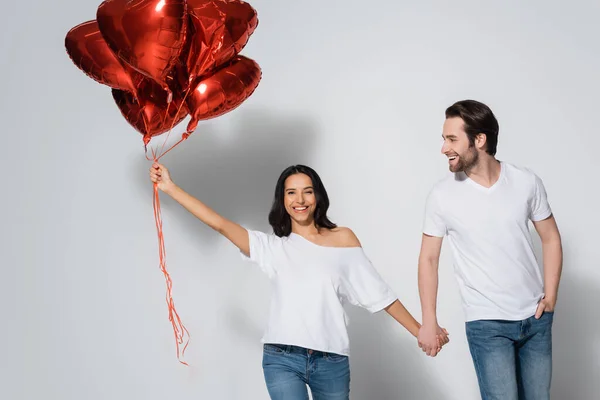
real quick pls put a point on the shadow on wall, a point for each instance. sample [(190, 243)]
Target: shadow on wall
[(383, 366), (576, 330), (234, 171)]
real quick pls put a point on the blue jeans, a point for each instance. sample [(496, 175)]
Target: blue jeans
[(290, 369), (513, 359)]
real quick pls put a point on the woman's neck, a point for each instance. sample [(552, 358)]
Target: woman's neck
[(306, 230)]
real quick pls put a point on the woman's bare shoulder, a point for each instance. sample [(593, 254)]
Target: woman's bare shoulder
[(344, 237)]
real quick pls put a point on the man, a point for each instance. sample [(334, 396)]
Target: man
[(484, 208)]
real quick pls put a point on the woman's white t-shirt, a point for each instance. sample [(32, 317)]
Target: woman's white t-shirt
[(310, 285)]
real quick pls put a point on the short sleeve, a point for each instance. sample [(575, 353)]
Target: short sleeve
[(539, 207), (433, 224), (262, 249), (363, 286)]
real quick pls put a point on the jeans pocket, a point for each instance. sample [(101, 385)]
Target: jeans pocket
[(549, 315), (273, 348), (335, 358)]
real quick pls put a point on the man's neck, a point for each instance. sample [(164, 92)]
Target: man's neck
[(486, 172)]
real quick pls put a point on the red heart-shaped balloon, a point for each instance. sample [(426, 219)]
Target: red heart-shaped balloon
[(146, 34), (206, 28), (218, 31), (241, 21), (90, 53), (152, 114), (222, 91)]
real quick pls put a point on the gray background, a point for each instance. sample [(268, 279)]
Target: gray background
[(355, 89)]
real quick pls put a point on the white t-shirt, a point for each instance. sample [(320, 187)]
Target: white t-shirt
[(310, 285), (488, 231)]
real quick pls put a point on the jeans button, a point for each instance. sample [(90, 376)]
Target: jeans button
[(310, 352)]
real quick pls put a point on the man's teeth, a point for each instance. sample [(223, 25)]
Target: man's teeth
[(451, 158)]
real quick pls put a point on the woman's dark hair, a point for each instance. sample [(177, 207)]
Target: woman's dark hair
[(279, 218), (478, 118)]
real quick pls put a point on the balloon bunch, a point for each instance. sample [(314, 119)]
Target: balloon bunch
[(165, 60)]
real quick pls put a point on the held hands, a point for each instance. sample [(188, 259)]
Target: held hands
[(159, 174), (432, 338)]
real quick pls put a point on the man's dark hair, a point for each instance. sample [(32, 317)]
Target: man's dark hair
[(478, 118)]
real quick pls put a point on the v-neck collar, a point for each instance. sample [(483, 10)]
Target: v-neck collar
[(491, 188)]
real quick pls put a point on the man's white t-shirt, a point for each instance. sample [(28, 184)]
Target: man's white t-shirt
[(310, 285), (488, 231)]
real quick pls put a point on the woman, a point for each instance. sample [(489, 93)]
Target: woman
[(314, 266)]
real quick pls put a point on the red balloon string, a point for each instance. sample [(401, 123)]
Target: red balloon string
[(185, 135), (181, 333), (182, 336)]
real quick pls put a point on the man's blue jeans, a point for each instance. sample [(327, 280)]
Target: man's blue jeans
[(513, 359), (290, 369)]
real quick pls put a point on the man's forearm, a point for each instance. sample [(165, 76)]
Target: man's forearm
[(553, 260), (428, 287)]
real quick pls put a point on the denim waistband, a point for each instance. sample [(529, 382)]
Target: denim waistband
[(291, 349)]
